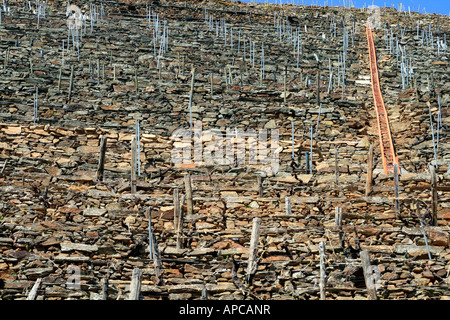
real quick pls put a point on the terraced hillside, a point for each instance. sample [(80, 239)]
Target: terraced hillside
[(77, 231)]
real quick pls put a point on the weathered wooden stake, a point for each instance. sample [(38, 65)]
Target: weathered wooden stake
[(157, 262), (323, 276), (133, 165), (104, 288), (287, 204), (33, 292), (176, 208), (338, 222), (252, 259), (150, 234), (188, 188), (336, 169), (179, 229), (368, 275), (434, 196), (135, 286), (191, 93), (369, 170), (59, 79), (135, 80), (260, 187), (307, 161), (101, 160)]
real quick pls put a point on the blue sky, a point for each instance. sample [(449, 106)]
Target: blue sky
[(430, 6)]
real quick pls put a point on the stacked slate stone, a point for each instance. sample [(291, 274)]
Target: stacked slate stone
[(58, 222)]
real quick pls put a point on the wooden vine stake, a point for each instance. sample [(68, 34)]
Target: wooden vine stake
[(336, 170), (252, 259), (176, 208), (191, 93), (188, 187), (369, 171), (434, 196), (101, 160), (135, 286), (368, 274), (287, 203), (338, 222), (260, 186), (33, 292), (104, 288), (157, 262), (133, 165)]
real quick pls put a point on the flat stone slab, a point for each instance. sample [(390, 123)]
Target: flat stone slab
[(66, 246)]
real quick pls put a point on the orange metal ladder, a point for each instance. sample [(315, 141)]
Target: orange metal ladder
[(386, 144)]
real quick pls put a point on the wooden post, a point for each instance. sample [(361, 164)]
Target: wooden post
[(287, 203), (323, 279), (338, 222), (260, 187), (179, 228), (133, 165), (33, 292), (135, 79), (251, 267), (135, 286), (101, 160), (434, 196), (369, 171), (105, 288), (176, 208), (157, 263), (336, 170), (307, 161), (59, 79), (188, 187), (5, 62), (191, 93), (150, 234), (204, 295), (368, 276)]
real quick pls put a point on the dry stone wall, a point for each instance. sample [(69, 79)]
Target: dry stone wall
[(57, 218)]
